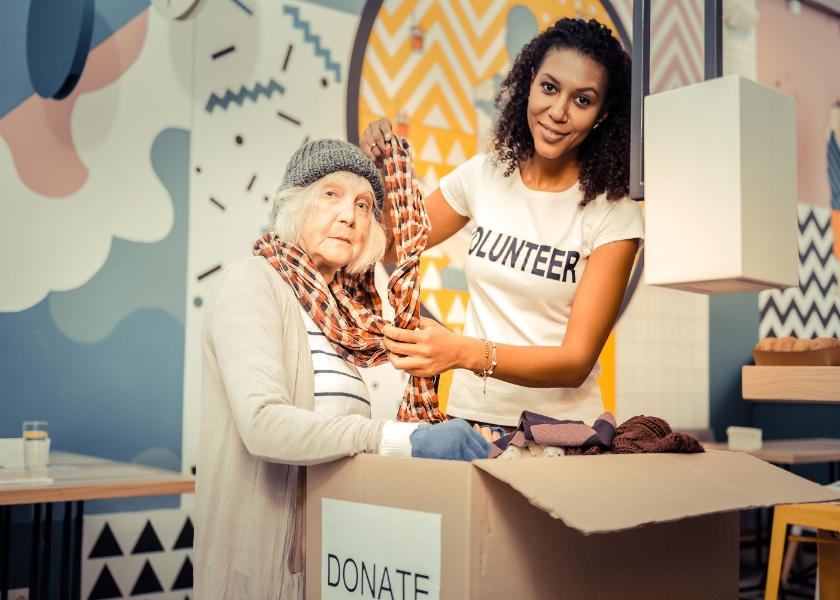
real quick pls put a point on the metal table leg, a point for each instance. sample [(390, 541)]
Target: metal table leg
[(64, 582), (759, 537), (5, 545), (77, 550), (47, 556), (35, 553)]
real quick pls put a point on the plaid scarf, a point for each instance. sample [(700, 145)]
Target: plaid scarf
[(348, 309)]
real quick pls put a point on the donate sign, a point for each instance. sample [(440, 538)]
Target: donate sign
[(379, 552)]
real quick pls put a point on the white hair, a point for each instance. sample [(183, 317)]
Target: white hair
[(293, 206)]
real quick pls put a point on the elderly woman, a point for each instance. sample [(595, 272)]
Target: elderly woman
[(276, 394)]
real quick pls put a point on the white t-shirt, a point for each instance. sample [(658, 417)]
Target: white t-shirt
[(339, 389), (526, 258)]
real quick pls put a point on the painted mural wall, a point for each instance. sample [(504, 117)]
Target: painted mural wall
[(796, 54), (120, 204), (793, 51), (789, 47), (94, 213), (93, 238)]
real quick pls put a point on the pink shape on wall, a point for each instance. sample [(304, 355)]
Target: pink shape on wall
[(798, 56), (38, 130)]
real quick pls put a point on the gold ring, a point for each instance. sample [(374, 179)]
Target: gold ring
[(372, 147)]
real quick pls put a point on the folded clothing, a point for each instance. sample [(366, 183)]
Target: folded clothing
[(637, 435), (576, 437)]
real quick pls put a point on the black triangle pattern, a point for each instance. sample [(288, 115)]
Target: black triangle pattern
[(147, 582), (184, 580), (185, 538), (148, 541), (106, 544), (105, 586)]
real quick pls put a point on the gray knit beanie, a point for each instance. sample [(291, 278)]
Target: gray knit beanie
[(321, 157)]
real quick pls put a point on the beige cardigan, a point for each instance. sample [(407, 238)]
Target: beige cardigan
[(257, 422)]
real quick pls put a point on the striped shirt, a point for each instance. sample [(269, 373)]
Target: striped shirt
[(339, 389)]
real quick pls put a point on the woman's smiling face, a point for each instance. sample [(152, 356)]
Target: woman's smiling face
[(565, 102)]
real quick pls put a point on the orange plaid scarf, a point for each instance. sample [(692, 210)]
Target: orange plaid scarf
[(348, 309)]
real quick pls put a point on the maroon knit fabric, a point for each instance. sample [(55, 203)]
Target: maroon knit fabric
[(651, 434)]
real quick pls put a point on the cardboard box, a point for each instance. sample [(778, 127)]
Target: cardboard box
[(610, 526)]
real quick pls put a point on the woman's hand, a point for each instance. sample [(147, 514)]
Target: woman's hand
[(374, 138), (450, 440), (488, 433), (426, 351)]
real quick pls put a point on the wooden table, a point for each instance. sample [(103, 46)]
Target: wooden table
[(797, 452), (76, 478)]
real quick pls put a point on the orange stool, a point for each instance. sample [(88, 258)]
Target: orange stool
[(826, 519)]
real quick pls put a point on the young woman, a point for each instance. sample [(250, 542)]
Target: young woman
[(555, 235)]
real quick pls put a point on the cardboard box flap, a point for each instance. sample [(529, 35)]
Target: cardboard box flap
[(613, 492)]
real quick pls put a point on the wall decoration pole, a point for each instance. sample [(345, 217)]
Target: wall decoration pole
[(713, 39), (640, 88)]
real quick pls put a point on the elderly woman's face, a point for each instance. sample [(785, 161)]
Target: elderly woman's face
[(336, 229)]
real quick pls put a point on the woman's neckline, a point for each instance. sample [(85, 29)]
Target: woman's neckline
[(520, 183), (572, 188)]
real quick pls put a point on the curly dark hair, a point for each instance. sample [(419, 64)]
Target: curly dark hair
[(604, 156)]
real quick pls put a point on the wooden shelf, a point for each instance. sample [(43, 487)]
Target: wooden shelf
[(791, 384)]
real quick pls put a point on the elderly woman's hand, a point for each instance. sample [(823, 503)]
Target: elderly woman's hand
[(373, 140), (450, 440), (426, 351)]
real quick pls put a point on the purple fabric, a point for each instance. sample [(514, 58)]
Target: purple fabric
[(576, 437)]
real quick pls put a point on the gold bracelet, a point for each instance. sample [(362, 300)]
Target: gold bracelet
[(483, 372), (489, 364), (493, 362)]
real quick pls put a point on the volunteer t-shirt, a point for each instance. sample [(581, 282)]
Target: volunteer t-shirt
[(526, 258)]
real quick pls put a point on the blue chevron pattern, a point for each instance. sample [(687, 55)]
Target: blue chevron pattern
[(239, 97), (313, 39), (812, 309)]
